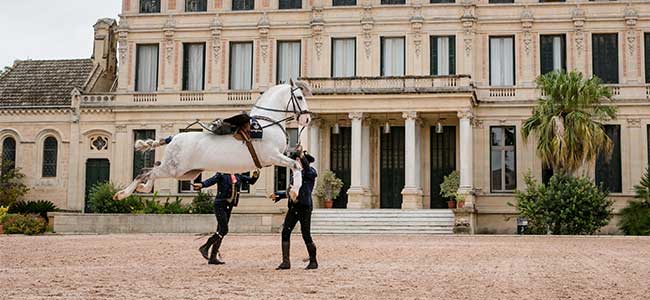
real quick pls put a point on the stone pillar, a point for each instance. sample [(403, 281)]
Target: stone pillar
[(314, 143), (74, 201), (358, 196), (412, 192), (466, 158)]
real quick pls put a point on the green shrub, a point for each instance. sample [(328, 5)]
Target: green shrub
[(566, 205), (176, 207), (24, 224), (12, 187), (203, 203), (101, 200), (40, 207), (635, 218)]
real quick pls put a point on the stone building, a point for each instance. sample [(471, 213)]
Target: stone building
[(405, 91)]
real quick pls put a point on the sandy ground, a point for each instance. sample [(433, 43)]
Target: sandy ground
[(352, 267)]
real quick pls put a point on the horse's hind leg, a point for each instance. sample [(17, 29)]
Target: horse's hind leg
[(129, 189), (159, 171)]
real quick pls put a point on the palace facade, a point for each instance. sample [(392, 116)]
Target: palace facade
[(405, 92)]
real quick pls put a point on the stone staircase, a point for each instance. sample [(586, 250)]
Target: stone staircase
[(382, 221)]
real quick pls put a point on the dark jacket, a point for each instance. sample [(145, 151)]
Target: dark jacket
[(309, 175), (226, 191)]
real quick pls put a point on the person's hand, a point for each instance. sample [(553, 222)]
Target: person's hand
[(299, 150), (256, 174), (273, 197), (197, 186)]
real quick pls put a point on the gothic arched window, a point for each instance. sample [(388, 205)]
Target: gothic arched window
[(50, 151), (8, 153)]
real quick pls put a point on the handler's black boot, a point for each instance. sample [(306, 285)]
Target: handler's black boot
[(286, 261), (213, 260), (206, 247), (313, 264)]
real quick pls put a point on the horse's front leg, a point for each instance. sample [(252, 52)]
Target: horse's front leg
[(295, 166)]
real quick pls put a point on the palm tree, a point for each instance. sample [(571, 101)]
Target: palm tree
[(567, 120)]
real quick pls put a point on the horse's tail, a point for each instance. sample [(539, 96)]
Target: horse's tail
[(148, 145)]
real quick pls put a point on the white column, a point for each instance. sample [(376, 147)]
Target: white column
[(358, 196), (412, 192), (314, 143), (466, 157)]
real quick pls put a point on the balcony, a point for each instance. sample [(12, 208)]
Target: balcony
[(226, 98), (390, 85)]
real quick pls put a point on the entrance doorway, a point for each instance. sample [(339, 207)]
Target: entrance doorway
[(340, 153), (443, 161), (391, 167), (97, 171)]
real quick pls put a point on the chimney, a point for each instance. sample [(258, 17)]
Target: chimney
[(105, 47)]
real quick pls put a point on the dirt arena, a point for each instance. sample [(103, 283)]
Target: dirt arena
[(352, 267)]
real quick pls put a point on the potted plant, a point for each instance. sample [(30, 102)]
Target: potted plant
[(449, 189), (3, 214), (328, 188)]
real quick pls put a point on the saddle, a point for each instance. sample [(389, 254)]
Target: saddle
[(243, 128)]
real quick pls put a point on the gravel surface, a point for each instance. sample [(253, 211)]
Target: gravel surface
[(352, 267)]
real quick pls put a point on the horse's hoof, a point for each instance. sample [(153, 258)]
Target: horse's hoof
[(119, 196), (141, 188)]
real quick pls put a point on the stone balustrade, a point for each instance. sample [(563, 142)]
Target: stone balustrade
[(389, 85), (228, 98)]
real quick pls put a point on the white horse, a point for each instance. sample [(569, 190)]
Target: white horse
[(191, 153)]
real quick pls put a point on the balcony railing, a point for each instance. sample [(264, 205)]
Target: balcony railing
[(390, 85), (226, 98)]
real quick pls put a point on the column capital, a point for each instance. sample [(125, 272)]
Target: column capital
[(315, 123), (465, 114), (357, 115), (410, 115)]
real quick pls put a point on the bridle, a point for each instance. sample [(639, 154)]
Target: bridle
[(296, 109)]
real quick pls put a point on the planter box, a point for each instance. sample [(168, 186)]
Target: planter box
[(240, 222)]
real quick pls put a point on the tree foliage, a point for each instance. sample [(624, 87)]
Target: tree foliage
[(567, 120), (635, 218), (12, 186)]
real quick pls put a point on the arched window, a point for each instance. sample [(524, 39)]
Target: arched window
[(49, 157), (8, 154)]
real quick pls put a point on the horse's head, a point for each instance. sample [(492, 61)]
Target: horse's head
[(298, 103)]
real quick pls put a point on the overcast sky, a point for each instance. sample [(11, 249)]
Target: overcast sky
[(50, 29)]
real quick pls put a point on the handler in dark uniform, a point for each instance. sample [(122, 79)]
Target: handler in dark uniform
[(228, 189), (299, 211)]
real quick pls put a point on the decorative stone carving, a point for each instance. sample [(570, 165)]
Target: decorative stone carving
[(465, 114), (263, 26), (317, 23), (468, 19), (416, 24), (216, 28), (477, 123), (634, 123), (169, 31), (527, 23), (367, 23), (120, 128), (123, 32), (631, 41), (410, 115), (578, 17), (631, 15), (99, 143), (356, 115)]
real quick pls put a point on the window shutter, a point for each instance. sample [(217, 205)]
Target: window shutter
[(186, 66), (605, 57), (647, 57), (608, 169), (381, 58), (546, 53), (452, 55), (434, 55), (563, 43)]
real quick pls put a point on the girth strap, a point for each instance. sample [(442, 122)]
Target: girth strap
[(251, 148)]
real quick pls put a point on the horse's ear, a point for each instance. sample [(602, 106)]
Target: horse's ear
[(291, 82), (305, 88)]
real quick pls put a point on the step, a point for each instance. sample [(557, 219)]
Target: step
[(428, 232)]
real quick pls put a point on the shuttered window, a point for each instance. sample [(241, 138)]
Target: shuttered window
[(241, 66), (502, 1), (149, 6), (290, 4), (196, 5), (193, 67), (243, 4), (50, 156), (442, 1), (503, 170), (608, 169), (143, 160), (392, 56), (288, 66), (443, 55), (344, 2), (344, 58), (502, 61), (647, 57), (8, 154), (605, 56), (391, 2), (552, 53)]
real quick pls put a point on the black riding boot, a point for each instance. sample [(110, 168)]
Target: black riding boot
[(313, 264), (206, 247), (213, 260), (286, 261)]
